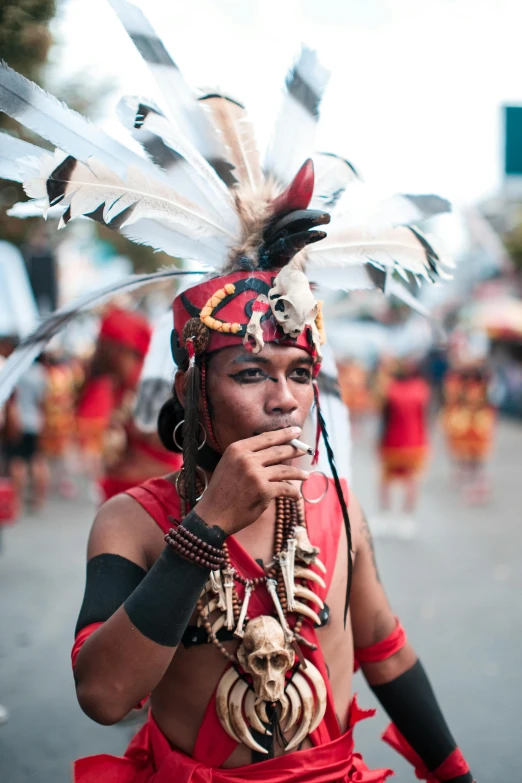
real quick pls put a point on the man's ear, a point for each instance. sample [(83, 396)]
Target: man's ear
[(179, 385)]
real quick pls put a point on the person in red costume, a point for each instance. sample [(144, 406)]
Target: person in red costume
[(107, 397), (241, 591), (403, 444), (143, 455)]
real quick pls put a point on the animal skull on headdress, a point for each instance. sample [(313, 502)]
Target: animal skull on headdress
[(266, 655), (293, 304)]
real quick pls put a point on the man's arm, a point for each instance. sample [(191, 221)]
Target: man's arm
[(398, 679), (143, 613)]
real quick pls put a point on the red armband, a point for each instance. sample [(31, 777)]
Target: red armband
[(383, 649), (453, 766), (81, 638)]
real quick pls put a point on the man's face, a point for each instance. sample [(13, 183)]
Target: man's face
[(249, 394)]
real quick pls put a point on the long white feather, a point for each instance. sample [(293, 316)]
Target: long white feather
[(88, 187), (18, 159), (178, 99), (33, 345), (202, 175), (362, 205), (292, 141), (332, 175), (43, 114), (392, 249), (237, 136)]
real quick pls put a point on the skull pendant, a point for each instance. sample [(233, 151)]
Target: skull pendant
[(266, 655)]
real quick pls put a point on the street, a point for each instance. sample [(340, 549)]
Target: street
[(456, 586)]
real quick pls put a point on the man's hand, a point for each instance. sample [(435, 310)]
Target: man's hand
[(250, 474)]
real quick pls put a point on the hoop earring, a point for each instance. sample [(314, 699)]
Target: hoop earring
[(178, 445), (199, 471), (325, 491)]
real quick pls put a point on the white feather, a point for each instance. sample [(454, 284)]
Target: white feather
[(33, 345), (202, 176), (362, 205), (391, 249), (179, 101), (292, 141), (88, 187), (332, 175), (18, 159), (43, 114)]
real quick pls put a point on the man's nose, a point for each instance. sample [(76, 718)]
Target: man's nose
[(280, 398)]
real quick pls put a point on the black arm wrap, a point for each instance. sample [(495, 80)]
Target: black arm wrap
[(411, 704), (161, 606), (110, 580)]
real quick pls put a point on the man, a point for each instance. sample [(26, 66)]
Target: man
[(251, 406), (257, 562)]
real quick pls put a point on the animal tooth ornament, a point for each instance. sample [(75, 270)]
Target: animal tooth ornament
[(200, 190)]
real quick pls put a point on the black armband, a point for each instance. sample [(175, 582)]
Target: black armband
[(110, 580), (161, 606), (410, 702)]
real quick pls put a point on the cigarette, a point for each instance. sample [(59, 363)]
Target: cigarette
[(298, 444)]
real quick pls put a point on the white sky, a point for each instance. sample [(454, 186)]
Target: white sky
[(417, 87)]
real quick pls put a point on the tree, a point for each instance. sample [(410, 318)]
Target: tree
[(25, 41)]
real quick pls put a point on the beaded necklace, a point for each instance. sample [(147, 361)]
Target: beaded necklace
[(289, 515)]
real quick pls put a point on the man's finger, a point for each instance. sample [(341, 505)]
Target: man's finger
[(286, 473), (283, 489), (273, 438), (277, 454)]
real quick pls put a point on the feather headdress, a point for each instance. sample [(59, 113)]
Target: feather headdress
[(200, 189)]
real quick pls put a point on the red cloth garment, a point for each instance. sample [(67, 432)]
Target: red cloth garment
[(404, 441), (406, 404), (109, 487), (383, 649), (129, 328), (452, 767), (150, 759)]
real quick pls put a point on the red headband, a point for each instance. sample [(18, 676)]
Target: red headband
[(224, 306)]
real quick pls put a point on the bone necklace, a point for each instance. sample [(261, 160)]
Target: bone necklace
[(269, 645)]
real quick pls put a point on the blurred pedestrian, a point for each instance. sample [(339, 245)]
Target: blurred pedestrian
[(26, 463), (403, 443), (469, 419)]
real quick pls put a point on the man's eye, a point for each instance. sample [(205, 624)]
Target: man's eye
[(249, 375), (301, 375)]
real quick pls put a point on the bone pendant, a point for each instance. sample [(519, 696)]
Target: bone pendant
[(305, 550), (272, 589), (285, 561), (266, 656), (229, 592), (207, 610), (307, 715), (308, 595), (239, 629), (254, 329), (310, 576), (217, 587), (307, 612)]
